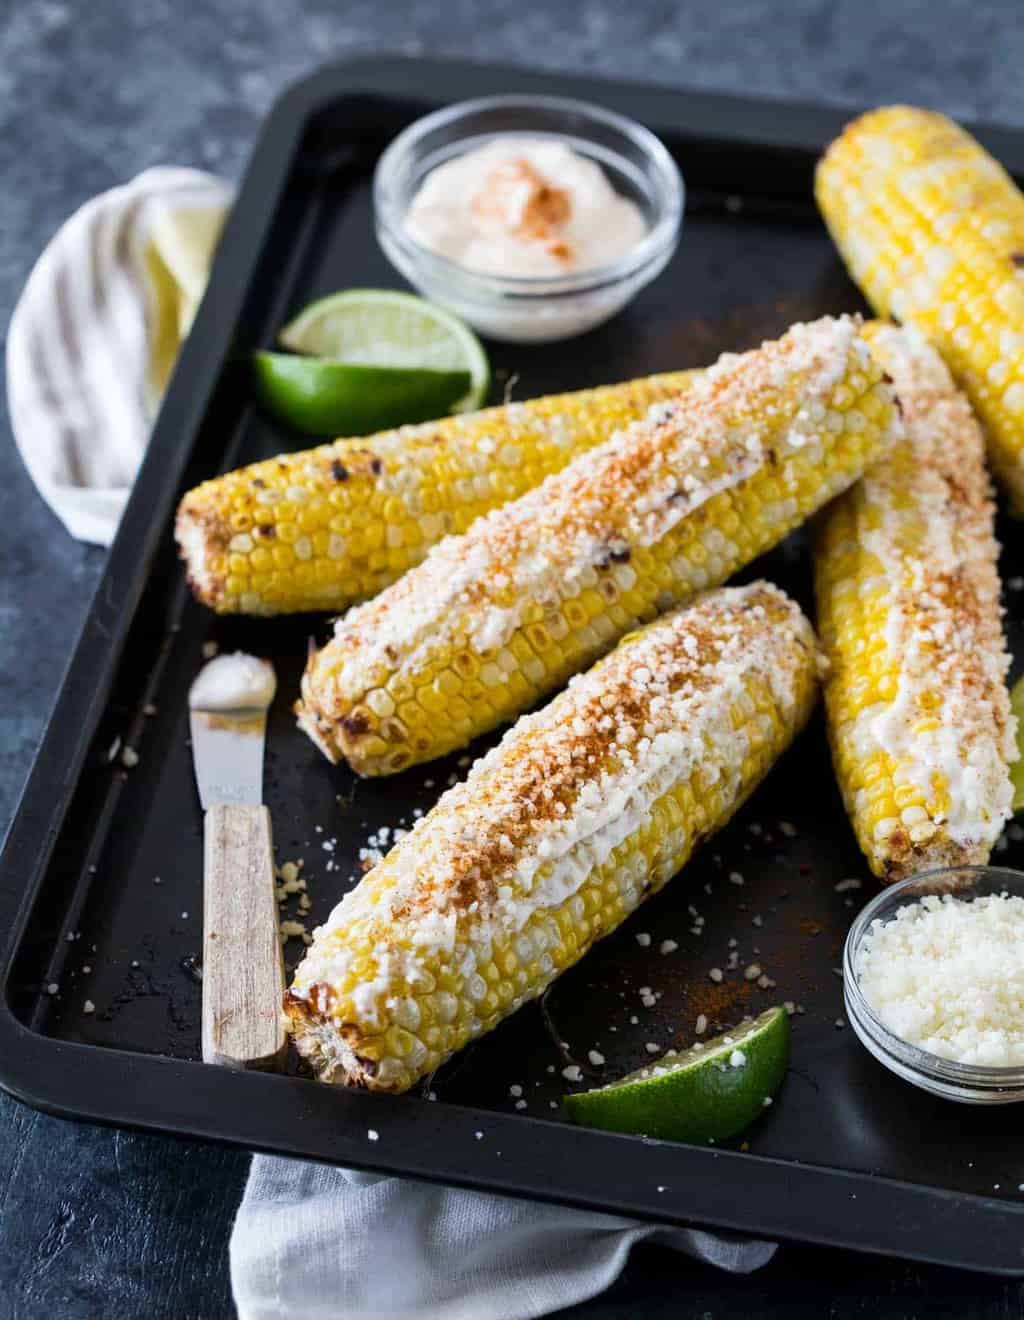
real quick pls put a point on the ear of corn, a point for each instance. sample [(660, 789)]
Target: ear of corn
[(908, 607), (534, 592), (557, 834), (932, 229), (320, 529)]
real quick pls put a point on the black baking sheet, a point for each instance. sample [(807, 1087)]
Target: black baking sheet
[(100, 879)]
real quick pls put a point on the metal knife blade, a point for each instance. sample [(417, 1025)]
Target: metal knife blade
[(227, 753), (228, 718)]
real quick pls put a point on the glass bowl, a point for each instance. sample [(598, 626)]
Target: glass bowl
[(968, 1083), (531, 310)]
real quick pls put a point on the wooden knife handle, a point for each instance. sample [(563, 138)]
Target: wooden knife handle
[(243, 973)]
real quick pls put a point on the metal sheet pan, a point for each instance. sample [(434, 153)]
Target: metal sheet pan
[(102, 868)]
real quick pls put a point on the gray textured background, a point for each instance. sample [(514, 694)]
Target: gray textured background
[(96, 1223)]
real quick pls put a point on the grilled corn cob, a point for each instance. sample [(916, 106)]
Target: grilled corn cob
[(932, 229), (908, 606), (581, 811), (537, 590), (321, 529)]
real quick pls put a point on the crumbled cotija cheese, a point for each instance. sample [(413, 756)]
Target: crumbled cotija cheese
[(948, 975)]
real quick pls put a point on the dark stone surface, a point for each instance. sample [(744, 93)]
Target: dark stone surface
[(100, 1223)]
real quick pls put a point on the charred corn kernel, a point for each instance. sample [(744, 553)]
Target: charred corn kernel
[(932, 229), (908, 606), (582, 810), (360, 512), (756, 444)]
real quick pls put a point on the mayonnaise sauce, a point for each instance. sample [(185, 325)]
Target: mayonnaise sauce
[(233, 682), (524, 207)]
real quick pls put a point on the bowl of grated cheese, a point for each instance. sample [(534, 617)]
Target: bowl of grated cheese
[(933, 977)]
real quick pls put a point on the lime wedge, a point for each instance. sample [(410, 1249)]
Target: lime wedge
[(336, 398), (705, 1094), (1017, 768), (384, 328)]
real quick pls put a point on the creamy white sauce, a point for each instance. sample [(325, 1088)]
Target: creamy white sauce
[(524, 207), (233, 682)]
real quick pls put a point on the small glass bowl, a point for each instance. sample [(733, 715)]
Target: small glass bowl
[(531, 310), (972, 1084)]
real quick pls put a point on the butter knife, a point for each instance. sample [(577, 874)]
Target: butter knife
[(243, 973)]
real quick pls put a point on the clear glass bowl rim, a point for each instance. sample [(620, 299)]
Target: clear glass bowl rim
[(670, 192), (957, 1076)]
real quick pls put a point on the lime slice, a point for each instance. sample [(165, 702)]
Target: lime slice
[(336, 398), (383, 328), (1017, 768), (705, 1094)]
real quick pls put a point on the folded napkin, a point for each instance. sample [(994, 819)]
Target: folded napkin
[(95, 334), (90, 348), (317, 1242)]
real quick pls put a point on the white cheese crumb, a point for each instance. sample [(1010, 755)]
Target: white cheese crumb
[(643, 939), (752, 972), (372, 1134), (651, 1048), (947, 975), (479, 1136), (702, 1024), (737, 1059), (88, 1007), (209, 650), (596, 1058), (129, 758), (520, 1104), (668, 946), (52, 988), (572, 1072), (716, 974), (844, 885), (515, 1091)]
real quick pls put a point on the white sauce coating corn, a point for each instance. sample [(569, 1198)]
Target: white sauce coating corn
[(554, 838), (908, 605), (494, 620)]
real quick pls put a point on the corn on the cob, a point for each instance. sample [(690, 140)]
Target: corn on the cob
[(908, 605), (581, 811), (320, 529), (537, 590), (932, 229)]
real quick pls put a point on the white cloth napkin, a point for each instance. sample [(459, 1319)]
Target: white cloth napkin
[(326, 1243), (91, 345), (95, 333)]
